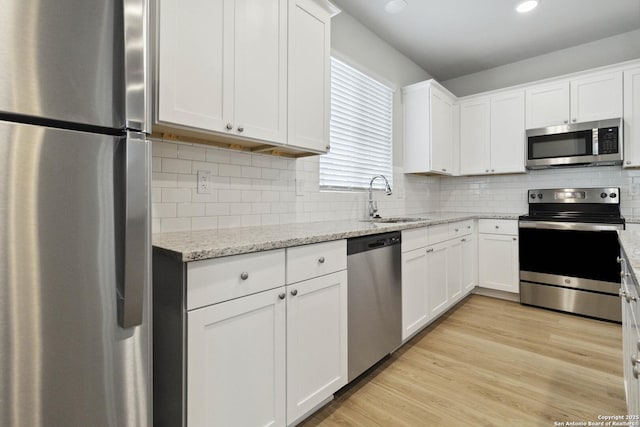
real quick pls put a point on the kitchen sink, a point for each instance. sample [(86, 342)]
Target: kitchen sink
[(396, 220)]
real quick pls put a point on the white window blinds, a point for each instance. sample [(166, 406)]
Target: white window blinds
[(360, 131)]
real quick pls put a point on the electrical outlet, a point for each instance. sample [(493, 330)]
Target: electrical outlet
[(204, 182)]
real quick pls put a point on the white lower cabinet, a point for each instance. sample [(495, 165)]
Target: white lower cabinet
[(498, 261), (414, 291), (316, 342), (236, 362), (439, 267), (630, 336), (257, 357)]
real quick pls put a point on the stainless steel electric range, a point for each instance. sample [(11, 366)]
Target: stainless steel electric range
[(568, 250)]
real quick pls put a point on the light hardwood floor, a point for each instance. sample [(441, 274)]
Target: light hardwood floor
[(490, 362)]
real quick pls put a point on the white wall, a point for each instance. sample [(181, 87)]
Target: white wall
[(610, 50), (256, 189)]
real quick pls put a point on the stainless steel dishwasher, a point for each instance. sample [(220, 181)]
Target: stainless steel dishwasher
[(374, 299)]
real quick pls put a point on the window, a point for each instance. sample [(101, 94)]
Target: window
[(360, 131)]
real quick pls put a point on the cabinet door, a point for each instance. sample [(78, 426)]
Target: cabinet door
[(469, 263), (547, 105), (507, 133), (596, 97), (309, 75), (498, 262), (414, 291), (454, 270), (441, 131), (195, 68), (260, 55), (437, 270), (632, 117), (236, 362), (316, 341), (474, 137)]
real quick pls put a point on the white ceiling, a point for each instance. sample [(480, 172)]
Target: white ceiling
[(451, 38)]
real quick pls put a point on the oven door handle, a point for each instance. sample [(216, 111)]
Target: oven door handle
[(571, 226)]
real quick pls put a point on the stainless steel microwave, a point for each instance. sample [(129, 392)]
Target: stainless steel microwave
[(577, 144)]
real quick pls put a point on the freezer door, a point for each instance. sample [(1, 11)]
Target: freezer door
[(64, 358), (78, 61)]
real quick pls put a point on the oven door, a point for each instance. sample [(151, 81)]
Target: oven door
[(573, 255)]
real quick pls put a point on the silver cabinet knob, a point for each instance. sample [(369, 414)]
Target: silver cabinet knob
[(493, 170), (429, 250), (566, 121), (321, 260), (575, 120), (515, 238), (282, 295), (457, 229), (240, 128), (229, 126), (630, 298), (619, 260), (327, 147), (486, 170), (497, 227), (294, 292), (628, 162), (634, 359), (622, 293), (468, 227), (635, 371), (244, 275), (444, 170), (624, 274), (463, 240)]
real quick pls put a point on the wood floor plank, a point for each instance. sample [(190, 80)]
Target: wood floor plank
[(490, 362)]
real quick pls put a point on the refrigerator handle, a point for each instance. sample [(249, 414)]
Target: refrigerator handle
[(137, 245)]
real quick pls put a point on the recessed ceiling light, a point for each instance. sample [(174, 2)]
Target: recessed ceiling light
[(527, 6), (395, 6)]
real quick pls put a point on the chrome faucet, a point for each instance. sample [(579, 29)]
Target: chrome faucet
[(373, 206)]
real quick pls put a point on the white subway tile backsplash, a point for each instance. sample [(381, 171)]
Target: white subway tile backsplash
[(168, 225), (217, 156), (204, 223), (230, 170), (217, 209), (176, 165), (229, 221), (176, 195), (240, 208), (164, 180), (163, 210), (190, 152), (164, 149), (191, 209)]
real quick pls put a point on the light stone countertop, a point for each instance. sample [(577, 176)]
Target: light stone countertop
[(630, 241), (197, 245), (632, 219)]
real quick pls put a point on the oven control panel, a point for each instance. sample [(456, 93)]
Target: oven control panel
[(609, 195)]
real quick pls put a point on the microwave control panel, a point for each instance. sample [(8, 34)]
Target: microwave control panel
[(608, 140)]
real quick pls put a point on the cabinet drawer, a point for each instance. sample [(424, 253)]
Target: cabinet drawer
[(414, 239), (461, 228), (498, 226), (305, 262), (438, 233), (221, 279)]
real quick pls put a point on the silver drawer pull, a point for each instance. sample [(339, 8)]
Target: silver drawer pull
[(244, 275), (497, 227), (429, 250), (294, 292), (321, 260), (282, 295), (619, 260), (463, 240)]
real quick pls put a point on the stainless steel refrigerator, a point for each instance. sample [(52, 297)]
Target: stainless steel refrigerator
[(74, 214)]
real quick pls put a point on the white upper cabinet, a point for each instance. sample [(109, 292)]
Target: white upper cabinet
[(309, 75), (507, 132), (429, 131), (475, 136), (492, 134), (547, 105), (632, 117), (594, 97), (209, 53)]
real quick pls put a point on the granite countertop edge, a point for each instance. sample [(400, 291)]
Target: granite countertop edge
[(630, 242), (190, 246)]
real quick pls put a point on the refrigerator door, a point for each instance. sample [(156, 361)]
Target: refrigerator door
[(64, 359), (77, 61)]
